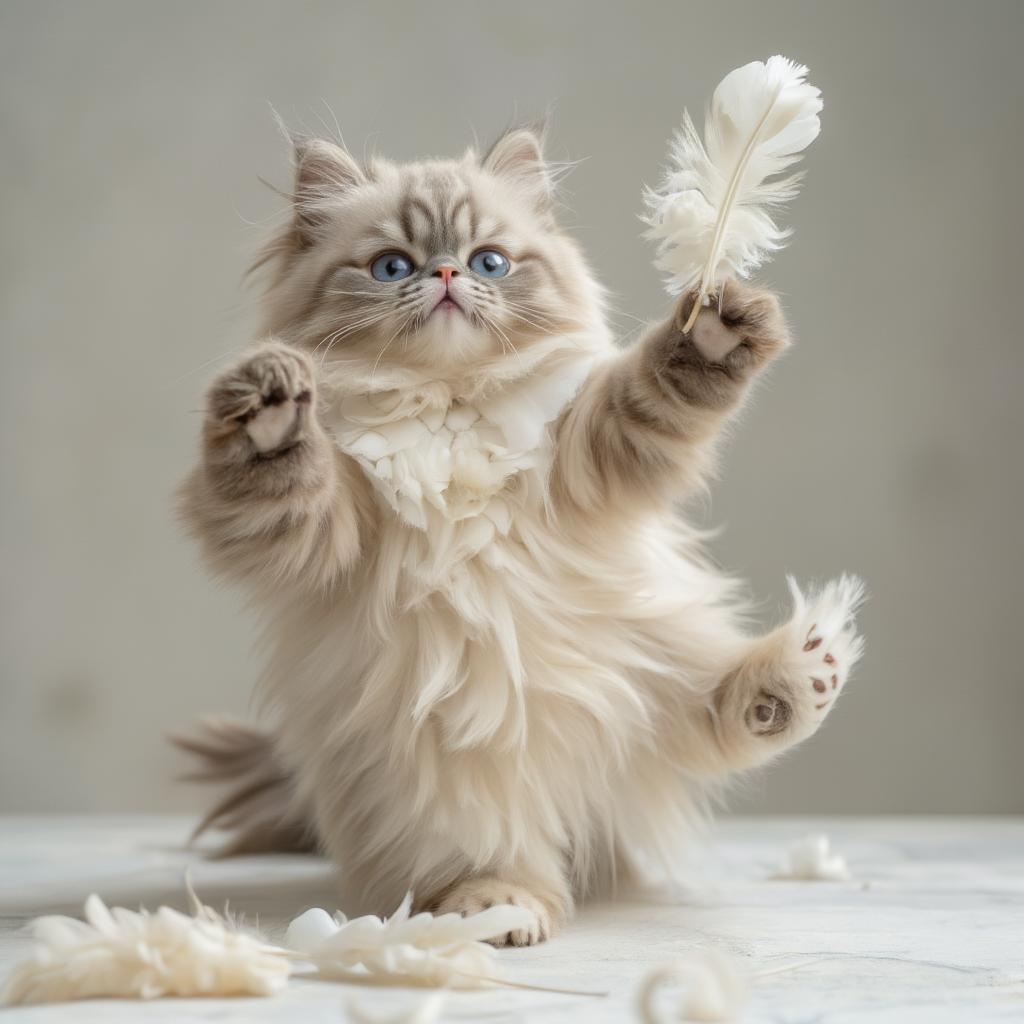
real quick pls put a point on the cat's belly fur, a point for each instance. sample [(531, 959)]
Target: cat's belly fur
[(492, 712)]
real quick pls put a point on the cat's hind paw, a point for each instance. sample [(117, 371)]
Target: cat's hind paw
[(817, 649), (823, 626)]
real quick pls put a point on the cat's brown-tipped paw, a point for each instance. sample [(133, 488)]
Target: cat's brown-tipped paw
[(740, 330), (269, 395), (711, 363)]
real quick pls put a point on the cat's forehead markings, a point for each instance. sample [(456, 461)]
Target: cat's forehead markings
[(416, 218), (438, 214), (464, 216)]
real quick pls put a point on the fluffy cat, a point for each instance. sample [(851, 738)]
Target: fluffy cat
[(500, 667)]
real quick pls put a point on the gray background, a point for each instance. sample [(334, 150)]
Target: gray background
[(888, 442)]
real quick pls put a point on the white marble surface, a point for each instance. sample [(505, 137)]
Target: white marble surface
[(929, 929)]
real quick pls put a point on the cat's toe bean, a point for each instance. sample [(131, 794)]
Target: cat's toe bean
[(768, 715), (273, 425)]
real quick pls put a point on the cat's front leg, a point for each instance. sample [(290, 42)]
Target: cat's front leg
[(272, 499), (786, 684), (642, 425), (476, 893)]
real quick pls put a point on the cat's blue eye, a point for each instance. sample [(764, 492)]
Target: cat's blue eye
[(489, 263), (391, 266)]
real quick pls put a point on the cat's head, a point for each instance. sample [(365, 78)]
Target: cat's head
[(435, 266)]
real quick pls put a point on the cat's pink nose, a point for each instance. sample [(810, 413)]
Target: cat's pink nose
[(446, 273)]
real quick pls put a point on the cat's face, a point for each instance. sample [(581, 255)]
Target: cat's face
[(434, 265)]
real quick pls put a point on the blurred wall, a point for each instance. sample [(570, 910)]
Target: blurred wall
[(888, 442)]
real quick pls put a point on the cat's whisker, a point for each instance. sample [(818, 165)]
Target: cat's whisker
[(502, 336), (399, 330), (527, 313), (540, 327), (353, 294), (335, 336), (346, 326)]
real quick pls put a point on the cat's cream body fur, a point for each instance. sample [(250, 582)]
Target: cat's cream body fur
[(499, 665)]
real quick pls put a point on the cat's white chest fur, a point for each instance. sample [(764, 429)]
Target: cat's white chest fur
[(458, 470), (431, 459)]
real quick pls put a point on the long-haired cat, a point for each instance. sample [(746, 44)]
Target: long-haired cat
[(500, 666)]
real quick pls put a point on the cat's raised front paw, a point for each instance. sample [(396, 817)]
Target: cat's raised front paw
[(269, 394), (741, 329)]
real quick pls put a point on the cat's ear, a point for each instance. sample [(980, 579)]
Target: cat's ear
[(518, 156), (323, 170)]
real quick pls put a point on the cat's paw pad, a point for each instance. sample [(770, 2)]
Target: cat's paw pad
[(477, 894), (768, 714), (268, 394), (823, 631), (742, 327)]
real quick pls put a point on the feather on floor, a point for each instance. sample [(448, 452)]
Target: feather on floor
[(119, 953), (811, 860), (711, 987), (416, 949)]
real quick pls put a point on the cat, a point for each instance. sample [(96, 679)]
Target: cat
[(501, 666)]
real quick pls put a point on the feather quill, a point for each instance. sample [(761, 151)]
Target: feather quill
[(713, 216)]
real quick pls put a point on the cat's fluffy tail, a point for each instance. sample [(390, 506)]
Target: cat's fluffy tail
[(259, 811)]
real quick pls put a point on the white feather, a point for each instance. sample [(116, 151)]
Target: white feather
[(712, 986), (423, 1011), (810, 860), (118, 953), (713, 216), (419, 949)]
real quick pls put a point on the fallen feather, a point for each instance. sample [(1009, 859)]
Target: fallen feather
[(423, 1011), (809, 860), (422, 949), (714, 988), (119, 953)]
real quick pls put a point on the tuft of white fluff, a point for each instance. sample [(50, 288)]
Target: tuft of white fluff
[(809, 860), (713, 215), (713, 988), (421, 949), (422, 1011), (118, 953)]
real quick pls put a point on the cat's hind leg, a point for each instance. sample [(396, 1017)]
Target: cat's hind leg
[(789, 680)]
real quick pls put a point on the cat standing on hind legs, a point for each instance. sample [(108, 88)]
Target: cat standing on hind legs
[(499, 664)]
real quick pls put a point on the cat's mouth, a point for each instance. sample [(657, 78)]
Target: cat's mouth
[(447, 304)]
